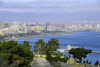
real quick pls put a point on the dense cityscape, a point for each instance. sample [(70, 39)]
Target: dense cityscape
[(21, 29)]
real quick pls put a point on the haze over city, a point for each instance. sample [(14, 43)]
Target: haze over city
[(66, 11)]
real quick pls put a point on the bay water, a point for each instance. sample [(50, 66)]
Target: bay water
[(88, 40)]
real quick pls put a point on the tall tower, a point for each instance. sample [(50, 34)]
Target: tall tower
[(46, 27)]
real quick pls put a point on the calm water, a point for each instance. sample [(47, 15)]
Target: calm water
[(89, 40)]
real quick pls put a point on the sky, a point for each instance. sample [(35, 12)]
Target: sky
[(58, 11)]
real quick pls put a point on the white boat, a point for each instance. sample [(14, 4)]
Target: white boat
[(67, 48)]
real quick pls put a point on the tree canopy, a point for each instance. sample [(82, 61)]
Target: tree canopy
[(96, 63), (54, 56), (14, 53), (79, 53), (50, 50), (39, 47)]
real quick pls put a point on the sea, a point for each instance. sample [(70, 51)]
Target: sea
[(83, 39)]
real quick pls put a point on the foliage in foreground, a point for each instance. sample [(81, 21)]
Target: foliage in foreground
[(13, 54), (79, 53), (96, 63), (50, 50)]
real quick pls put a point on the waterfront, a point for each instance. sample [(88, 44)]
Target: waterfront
[(89, 40)]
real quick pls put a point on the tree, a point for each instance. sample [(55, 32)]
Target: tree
[(50, 50), (79, 53), (90, 62), (3, 63), (96, 63), (39, 47), (87, 61), (16, 54), (52, 45), (84, 62), (14, 65), (52, 55)]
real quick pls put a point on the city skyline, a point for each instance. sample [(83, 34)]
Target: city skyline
[(50, 10)]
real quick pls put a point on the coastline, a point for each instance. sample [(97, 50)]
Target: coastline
[(36, 35), (42, 34), (29, 35)]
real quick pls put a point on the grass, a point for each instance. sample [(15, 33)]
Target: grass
[(44, 56), (40, 56), (76, 65)]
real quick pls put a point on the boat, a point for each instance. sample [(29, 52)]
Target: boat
[(69, 47)]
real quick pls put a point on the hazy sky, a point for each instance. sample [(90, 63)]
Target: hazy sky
[(50, 10)]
